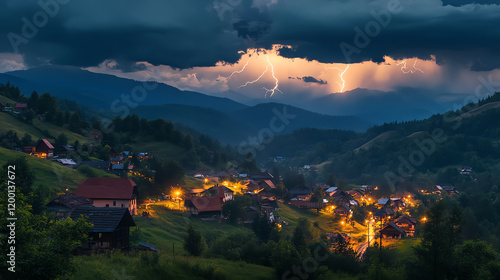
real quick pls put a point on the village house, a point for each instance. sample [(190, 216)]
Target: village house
[(407, 223), (449, 189), (43, 149), (204, 206), (331, 191), (267, 185), (300, 192), (204, 173), (337, 237), (196, 192), (384, 202), (19, 107), (397, 203), (110, 192), (356, 194), (220, 191), (66, 162), (340, 197), (392, 231), (307, 204), (466, 170), (63, 205), (257, 176), (2, 107), (384, 213), (252, 186), (342, 210), (111, 230)]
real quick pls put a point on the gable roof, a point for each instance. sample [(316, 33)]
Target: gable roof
[(107, 188), (69, 200), (205, 203), (383, 201), (20, 105), (331, 189), (47, 143), (343, 206), (384, 211), (393, 225), (406, 219), (268, 183), (105, 219)]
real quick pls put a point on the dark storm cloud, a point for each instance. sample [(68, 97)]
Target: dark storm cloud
[(464, 36), (85, 33), (192, 33)]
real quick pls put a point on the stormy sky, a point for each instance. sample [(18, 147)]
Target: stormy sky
[(325, 46)]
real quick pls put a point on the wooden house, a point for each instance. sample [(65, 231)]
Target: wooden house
[(392, 231), (342, 210), (268, 185), (384, 213), (407, 223), (19, 107), (206, 206), (43, 149), (63, 205), (110, 192), (2, 107), (111, 228)]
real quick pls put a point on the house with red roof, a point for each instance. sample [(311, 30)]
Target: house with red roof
[(19, 107), (43, 149), (110, 192), (210, 206)]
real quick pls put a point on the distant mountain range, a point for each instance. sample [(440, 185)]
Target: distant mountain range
[(219, 117), (235, 127), (374, 106)]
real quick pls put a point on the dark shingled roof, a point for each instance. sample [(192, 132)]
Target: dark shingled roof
[(69, 200), (105, 219), (384, 211), (393, 225)]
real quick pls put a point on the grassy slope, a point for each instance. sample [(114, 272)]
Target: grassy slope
[(325, 220), (49, 173), (4, 100), (403, 249), (121, 266), (169, 227), (9, 122)]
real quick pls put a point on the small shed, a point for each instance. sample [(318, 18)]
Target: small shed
[(111, 228)]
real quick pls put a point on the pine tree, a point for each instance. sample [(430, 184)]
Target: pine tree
[(194, 243)]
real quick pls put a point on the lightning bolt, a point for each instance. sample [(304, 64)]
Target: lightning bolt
[(405, 70), (256, 80), (276, 84), (341, 75), (238, 72)]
